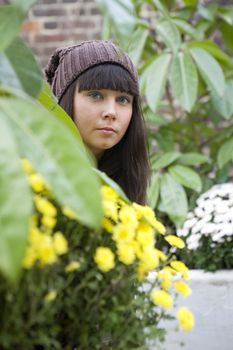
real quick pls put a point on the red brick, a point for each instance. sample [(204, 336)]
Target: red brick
[(31, 26)]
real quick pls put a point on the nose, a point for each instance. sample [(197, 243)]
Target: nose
[(109, 109)]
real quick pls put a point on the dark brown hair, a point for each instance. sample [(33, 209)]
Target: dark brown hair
[(127, 162)]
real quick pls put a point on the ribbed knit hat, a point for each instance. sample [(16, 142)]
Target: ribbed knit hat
[(66, 64)]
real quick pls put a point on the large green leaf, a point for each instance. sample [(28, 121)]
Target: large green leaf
[(210, 70), (170, 34), (121, 13), (212, 48), (173, 199), (56, 153), (227, 33), (15, 204), (224, 105), (192, 158), (165, 160), (136, 44), (184, 80), (185, 27), (186, 177), (11, 19), (153, 190), (154, 79), (19, 69), (23, 4), (225, 153)]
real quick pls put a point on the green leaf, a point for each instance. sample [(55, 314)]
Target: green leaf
[(224, 105), (121, 14), (15, 204), (225, 153), (190, 2), (11, 19), (186, 177), (170, 34), (106, 180), (227, 33), (154, 79), (184, 80), (165, 160), (153, 190), (56, 154), (212, 48), (226, 13), (19, 69), (173, 199), (185, 27), (210, 70), (136, 44), (23, 4), (192, 158)]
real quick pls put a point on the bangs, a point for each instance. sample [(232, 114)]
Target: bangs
[(107, 76)]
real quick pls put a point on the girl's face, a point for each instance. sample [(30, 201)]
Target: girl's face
[(102, 117)]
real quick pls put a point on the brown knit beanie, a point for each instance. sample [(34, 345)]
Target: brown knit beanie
[(66, 64)]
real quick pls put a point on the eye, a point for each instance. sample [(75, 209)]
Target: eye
[(124, 100), (95, 95)]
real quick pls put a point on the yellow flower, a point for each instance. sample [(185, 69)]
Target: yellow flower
[(37, 182), (110, 210), (50, 296), (162, 298), (126, 254), (128, 216), (69, 213), (123, 233), (149, 259), (44, 206), (166, 277), (46, 253), (182, 288), (161, 255), (186, 319), (60, 243), (49, 221), (175, 241), (158, 226), (27, 167), (180, 267), (145, 235), (72, 266), (109, 194), (107, 225), (30, 258), (104, 259)]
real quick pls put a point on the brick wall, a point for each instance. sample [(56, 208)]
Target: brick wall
[(54, 23)]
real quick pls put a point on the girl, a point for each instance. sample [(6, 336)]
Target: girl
[(97, 85)]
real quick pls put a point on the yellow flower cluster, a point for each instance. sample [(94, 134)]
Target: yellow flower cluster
[(133, 228)]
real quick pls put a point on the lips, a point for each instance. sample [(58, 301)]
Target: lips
[(107, 129)]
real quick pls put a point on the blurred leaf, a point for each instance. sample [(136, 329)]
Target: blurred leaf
[(154, 78), (56, 154), (212, 48), (192, 158), (225, 153), (190, 2), (227, 33), (23, 4), (106, 27), (153, 190), (136, 44), (224, 105), (173, 199), (106, 180), (11, 19), (19, 69), (208, 12), (165, 160), (185, 27), (226, 13), (15, 204), (184, 80), (186, 177), (210, 70), (154, 118), (161, 7), (121, 13), (170, 34)]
